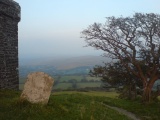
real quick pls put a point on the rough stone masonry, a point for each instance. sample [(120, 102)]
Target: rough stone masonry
[(9, 18)]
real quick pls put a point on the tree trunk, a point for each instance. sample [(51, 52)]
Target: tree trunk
[(147, 91), (146, 94)]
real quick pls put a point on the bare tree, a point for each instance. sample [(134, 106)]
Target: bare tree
[(135, 39)]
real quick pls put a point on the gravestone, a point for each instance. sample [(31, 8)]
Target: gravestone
[(37, 88)]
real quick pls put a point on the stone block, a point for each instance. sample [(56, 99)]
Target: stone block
[(9, 18)]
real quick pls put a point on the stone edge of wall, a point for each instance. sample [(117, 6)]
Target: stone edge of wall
[(16, 9)]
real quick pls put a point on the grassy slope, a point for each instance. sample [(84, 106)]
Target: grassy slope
[(113, 95), (74, 106), (61, 106), (146, 111)]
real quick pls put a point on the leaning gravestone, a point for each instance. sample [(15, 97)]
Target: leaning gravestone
[(37, 88)]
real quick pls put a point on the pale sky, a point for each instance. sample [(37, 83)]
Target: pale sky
[(51, 28)]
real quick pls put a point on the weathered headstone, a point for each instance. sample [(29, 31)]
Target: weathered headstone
[(37, 88)]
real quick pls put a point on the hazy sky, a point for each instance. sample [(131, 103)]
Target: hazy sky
[(51, 28)]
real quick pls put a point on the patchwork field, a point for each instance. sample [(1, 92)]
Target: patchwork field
[(66, 82), (66, 78), (65, 86)]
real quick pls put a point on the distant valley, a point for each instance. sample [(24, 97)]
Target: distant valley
[(60, 66)]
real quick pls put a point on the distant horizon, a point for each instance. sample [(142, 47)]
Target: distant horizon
[(53, 27), (62, 60), (59, 57)]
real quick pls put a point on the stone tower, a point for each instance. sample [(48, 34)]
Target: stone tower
[(9, 18)]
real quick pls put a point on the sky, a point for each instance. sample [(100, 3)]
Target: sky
[(52, 28)]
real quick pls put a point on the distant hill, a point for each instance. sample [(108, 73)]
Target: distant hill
[(61, 66), (66, 63)]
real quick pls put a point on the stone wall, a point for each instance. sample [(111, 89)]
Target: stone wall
[(9, 18)]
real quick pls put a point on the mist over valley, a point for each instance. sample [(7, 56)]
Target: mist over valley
[(60, 66)]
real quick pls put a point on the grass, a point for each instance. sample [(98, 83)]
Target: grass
[(61, 106), (74, 106), (145, 111), (93, 78), (88, 84), (65, 86), (91, 93), (78, 78), (72, 77)]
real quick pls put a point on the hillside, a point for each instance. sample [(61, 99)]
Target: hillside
[(65, 63), (61, 66), (74, 106)]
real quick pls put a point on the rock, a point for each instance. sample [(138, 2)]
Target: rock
[(37, 88)]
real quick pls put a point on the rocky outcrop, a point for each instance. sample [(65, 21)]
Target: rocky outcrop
[(37, 88)]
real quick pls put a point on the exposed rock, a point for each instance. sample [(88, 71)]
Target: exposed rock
[(37, 88)]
